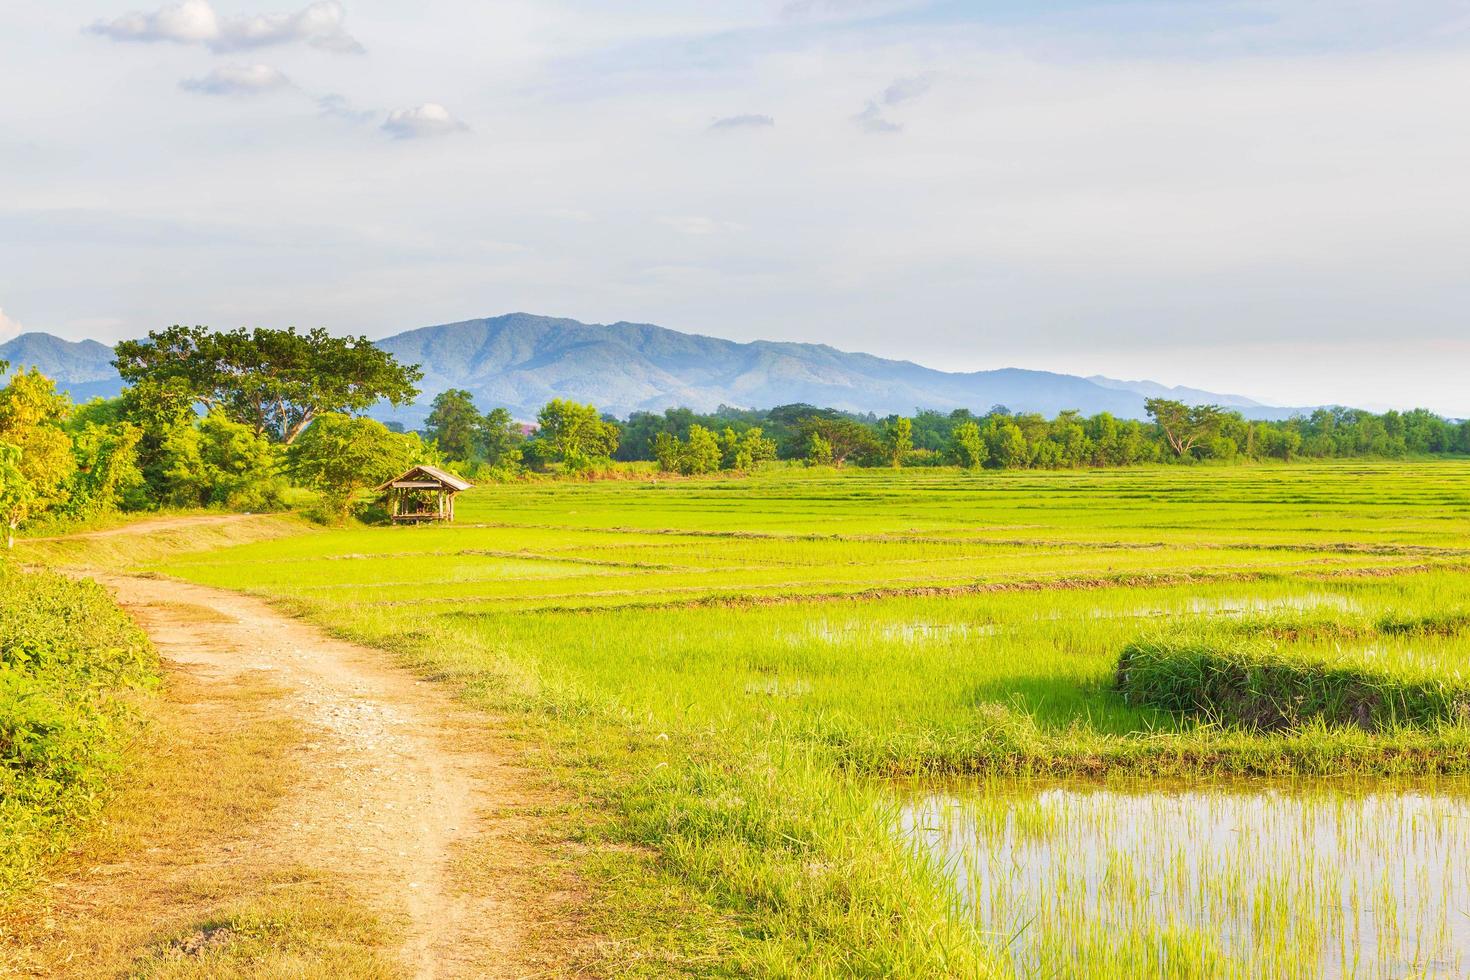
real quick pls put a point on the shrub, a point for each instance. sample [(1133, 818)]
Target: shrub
[(67, 655), (1262, 688)]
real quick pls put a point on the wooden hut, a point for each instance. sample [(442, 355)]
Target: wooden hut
[(424, 493)]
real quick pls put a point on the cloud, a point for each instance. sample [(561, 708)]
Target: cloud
[(906, 89), (9, 327), (899, 91), (196, 22), (871, 120), (745, 121), (428, 119), (337, 106), (238, 80)]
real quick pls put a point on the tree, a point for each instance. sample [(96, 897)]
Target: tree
[(819, 451), (17, 495), (1006, 444), (845, 437), (107, 474), (750, 450), (1185, 426), (576, 435), (31, 413), (454, 423), (277, 381), (341, 455), (701, 453), (499, 438), (967, 447), (897, 439)]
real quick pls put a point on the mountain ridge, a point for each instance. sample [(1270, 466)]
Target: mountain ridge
[(522, 360)]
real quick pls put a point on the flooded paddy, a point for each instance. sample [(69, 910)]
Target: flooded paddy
[(1305, 880)]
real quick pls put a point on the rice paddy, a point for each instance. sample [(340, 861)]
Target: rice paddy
[(761, 682)]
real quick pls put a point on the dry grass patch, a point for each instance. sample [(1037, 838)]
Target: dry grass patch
[(169, 883)]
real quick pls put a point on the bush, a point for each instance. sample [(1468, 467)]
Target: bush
[(1262, 688), (67, 656)]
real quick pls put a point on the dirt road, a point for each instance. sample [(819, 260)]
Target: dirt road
[(400, 777)]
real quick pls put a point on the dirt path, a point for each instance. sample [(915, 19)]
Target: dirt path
[(400, 778), (151, 526)]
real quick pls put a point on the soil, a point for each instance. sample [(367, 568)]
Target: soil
[(403, 783)]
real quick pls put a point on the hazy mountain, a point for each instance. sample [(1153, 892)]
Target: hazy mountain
[(1152, 389), (522, 361), (83, 369)]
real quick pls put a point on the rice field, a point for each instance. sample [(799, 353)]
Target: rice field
[(870, 722)]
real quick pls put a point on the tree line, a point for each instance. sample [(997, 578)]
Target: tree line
[(244, 419)]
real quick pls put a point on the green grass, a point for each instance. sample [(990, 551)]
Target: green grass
[(727, 672)]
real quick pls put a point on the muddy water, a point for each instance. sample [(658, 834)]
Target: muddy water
[(1310, 881)]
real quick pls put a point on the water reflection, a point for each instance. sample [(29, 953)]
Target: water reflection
[(1335, 881)]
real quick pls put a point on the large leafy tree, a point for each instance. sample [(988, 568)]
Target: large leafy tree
[(276, 381), (845, 438), (1185, 426)]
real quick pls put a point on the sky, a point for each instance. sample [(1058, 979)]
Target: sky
[(1265, 197)]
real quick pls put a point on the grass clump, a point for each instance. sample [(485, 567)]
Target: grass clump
[(68, 656), (1260, 687)]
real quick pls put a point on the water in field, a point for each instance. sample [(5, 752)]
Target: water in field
[(1286, 882)]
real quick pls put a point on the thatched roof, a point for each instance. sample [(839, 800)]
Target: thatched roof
[(424, 477)]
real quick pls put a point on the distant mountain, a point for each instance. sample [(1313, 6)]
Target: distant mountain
[(1179, 393), (521, 361), (83, 369)]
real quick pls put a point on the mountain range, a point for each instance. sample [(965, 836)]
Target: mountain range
[(521, 361)]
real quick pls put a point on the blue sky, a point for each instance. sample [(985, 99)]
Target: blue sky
[(1264, 196)]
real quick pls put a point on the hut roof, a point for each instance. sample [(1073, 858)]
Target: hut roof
[(423, 477)]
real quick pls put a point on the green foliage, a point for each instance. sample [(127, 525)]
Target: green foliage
[(845, 439), (341, 455), (967, 447), (701, 453), (819, 450), (17, 494), (1257, 686), (705, 452), (218, 462), (275, 381), (576, 435), (746, 451), (897, 438), (67, 655), (107, 477), (454, 423), (1185, 426), (498, 440), (38, 463)]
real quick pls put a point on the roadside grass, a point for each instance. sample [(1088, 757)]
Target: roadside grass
[(167, 882), (115, 545), (727, 674), (73, 669)]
